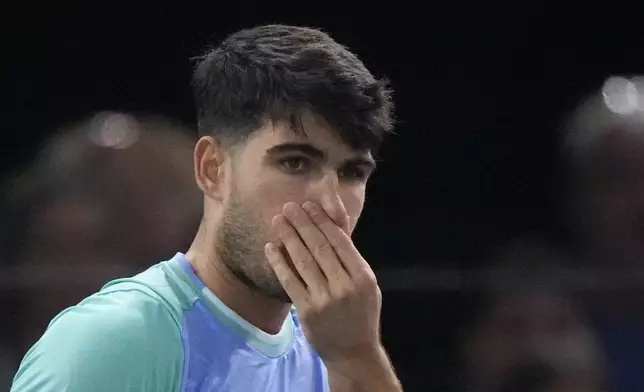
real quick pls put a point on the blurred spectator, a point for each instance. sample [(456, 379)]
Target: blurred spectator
[(604, 153), (540, 376), (105, 198), (529, 333)]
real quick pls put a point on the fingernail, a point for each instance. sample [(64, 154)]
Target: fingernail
[(290, 208), (277, 219), (270, 250), (310, 207)]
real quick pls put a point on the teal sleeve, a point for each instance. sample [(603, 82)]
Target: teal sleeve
[(120, 341)]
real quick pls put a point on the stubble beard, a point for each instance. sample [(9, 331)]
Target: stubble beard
[(240, 247)]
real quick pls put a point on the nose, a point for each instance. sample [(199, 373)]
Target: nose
[(326, 192)]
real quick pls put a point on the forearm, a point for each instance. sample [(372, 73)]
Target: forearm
[(372, 372)]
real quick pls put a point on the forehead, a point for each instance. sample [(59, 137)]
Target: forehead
[(314, 131)]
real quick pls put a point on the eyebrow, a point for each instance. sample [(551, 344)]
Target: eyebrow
[(303, 148), (318, 154)]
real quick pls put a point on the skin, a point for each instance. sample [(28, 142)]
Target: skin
[(279, 211)]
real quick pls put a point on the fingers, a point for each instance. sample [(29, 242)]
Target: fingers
[(317, 244), (305, 264), (342, 244), (322, 254), (291, 283)]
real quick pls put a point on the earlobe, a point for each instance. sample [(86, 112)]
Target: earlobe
[(208, 165)]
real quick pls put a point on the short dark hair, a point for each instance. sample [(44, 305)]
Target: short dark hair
[(277, 73)]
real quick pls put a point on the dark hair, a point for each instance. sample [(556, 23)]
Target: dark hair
[(277, 73)]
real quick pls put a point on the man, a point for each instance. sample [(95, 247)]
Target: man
[(289, 120)]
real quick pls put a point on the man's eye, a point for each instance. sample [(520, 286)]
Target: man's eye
[(354, 173), (294, 165)]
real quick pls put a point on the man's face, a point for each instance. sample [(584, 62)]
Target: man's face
[(277, 166)]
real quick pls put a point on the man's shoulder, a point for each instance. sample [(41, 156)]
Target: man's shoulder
[(150, 301), (124, 335), (130, 308), (158, 286)]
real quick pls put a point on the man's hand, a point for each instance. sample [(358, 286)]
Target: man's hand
[(336, 295)]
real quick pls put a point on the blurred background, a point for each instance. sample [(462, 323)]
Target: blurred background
[(505, 223)]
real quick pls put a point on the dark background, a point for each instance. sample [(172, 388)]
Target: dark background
[(480, 91)]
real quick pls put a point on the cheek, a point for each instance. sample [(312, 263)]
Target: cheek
[(353, 200), (270, 197), (274, 194)]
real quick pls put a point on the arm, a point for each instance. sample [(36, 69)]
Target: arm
[(372, 372), (121, 341)]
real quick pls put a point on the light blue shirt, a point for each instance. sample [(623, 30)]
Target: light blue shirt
[(164, 331)]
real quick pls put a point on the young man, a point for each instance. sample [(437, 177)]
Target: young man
[(288, 121)]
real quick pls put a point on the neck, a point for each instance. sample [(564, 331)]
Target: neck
[(264, 313)]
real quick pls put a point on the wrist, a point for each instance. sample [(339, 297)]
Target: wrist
[(366, 359), (368, 369)]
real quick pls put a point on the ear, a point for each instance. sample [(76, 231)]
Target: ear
[(209, 158)]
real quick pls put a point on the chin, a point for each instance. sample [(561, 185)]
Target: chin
[(269, 287), (280, 297)]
